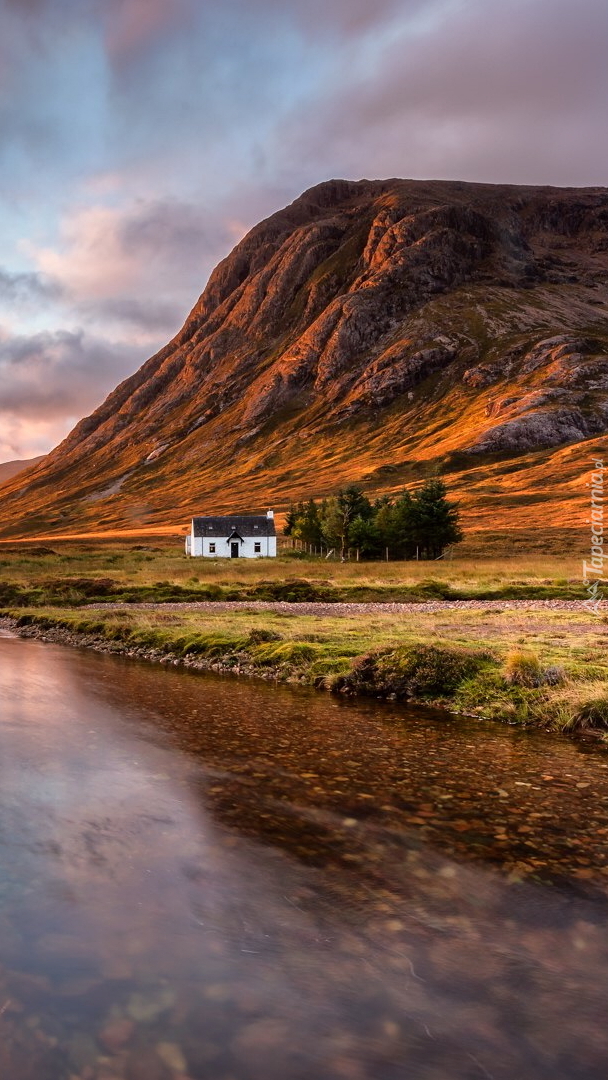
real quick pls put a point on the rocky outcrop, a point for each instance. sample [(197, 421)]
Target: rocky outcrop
[(571, 404), (471, 317)]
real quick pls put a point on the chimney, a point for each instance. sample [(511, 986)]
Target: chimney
[(270, 513)]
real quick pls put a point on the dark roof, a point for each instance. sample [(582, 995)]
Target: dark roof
[(245, 524)]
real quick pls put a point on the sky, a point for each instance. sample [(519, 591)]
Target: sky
[(141, 139)]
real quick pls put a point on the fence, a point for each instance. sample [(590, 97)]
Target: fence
[(288, 543)]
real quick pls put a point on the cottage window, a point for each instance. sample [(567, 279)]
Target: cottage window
[(257, 549), (212, 549)]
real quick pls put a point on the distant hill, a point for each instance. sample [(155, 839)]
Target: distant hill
[(8, 469), (373, 331)]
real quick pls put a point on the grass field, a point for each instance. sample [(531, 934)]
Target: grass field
[(478, 568)]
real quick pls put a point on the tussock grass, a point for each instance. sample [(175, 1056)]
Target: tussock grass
[(523, 668), (581, 707)]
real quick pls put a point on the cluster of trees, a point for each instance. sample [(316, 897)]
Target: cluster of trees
[(419, 524)]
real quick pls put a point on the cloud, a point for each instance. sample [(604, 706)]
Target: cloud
[(155, 317), (58, 376), (141, 266), (27, 288), (141, 138), (511, 93)]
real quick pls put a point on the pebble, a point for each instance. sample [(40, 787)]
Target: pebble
[(173, 1056), (319, 608), (146, 1006), (145, 1064), (116, 1034)]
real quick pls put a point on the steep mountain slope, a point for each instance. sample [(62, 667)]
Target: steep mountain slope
[(374, 330), (8, 469)]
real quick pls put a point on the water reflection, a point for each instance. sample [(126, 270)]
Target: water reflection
[(221, 880)]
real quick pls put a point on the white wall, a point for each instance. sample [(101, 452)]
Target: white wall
[(200, 546)]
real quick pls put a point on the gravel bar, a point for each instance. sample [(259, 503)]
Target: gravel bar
[(344, 610)]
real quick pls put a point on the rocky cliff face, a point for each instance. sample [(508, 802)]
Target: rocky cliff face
[(372, 331)]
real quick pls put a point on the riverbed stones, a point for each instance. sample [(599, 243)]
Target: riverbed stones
[(116, 1034), (82, 1050), (145, 1064), (173, 1056), (147, 1005)]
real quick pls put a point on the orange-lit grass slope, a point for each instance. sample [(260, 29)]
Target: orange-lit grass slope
[(378, 332)]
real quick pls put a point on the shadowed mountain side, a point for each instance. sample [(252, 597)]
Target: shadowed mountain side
[(374, 331), (8, 469)]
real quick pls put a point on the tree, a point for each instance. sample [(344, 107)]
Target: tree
[(307, 524), (340, 512), (290, 518), (331, 522), (432, 521), (419, 523), (364, 535)]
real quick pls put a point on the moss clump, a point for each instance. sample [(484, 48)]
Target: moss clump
[(415, 671), (260, 635), (210, 645), (293, 653)]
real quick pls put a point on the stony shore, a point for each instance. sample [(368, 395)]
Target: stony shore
[(58, 635), (338, 609)]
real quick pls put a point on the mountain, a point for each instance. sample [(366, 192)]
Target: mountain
[(374, 331), (8, 469)]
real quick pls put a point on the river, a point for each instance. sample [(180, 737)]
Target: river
[(220, 879)]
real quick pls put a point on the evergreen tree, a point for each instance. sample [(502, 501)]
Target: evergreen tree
[(307, 525), (364, 535), (433, 521), (421, 523), (290, 520)]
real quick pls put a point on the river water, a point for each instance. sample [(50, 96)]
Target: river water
[(224, 880)]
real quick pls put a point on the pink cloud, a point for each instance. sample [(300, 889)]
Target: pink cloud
[(140, 266), (132, 25)]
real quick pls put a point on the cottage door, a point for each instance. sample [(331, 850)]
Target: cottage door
[(234, 549)]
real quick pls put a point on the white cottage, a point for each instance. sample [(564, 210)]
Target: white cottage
[(239, 536)]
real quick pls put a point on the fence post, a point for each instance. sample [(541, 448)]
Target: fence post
[(387, 554)]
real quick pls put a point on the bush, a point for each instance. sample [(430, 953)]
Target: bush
[(523, 669), (554, 675), (292, 591), (81, 586), (422, 671)]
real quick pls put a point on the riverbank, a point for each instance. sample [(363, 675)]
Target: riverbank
[(533, 664)]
